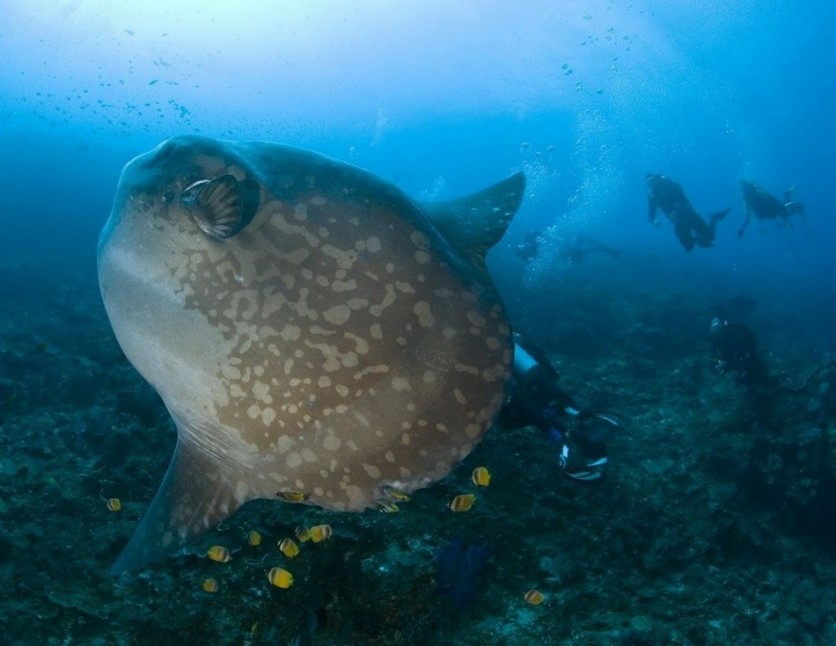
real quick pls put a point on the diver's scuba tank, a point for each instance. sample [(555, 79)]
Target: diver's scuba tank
[(526, 367)]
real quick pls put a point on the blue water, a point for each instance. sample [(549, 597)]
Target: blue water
[(444, 99)]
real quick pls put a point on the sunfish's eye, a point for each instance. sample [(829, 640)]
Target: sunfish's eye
[(215, 205)]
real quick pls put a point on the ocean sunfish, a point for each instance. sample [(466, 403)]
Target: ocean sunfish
[(316, 335)]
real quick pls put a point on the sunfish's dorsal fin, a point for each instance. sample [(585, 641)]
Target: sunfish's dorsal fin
[(192, 499), (475, 223)]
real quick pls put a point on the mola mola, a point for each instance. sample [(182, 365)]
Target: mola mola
[(316, 335)]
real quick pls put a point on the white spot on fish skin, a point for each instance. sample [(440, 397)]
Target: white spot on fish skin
[(241, 491), (376, 331), (268, 416), (422, 257), (473, 431), (308, 455), (429, 377), (293, 460), (361, 346), (318, 200), (337, 315), (344, 285), (253, 411), (300, 212), (377, 310), (344, 259), (373, 244), (476, 319), (493, 343), (357, 303), (448, 333), (420, 240), (459, 395), (424, 313), (442, 428), (261, 392), (405, 439), (284, 444), (324, 381), (389, 456), (332, 443), (370, 369), (400, 384), (372, 471)]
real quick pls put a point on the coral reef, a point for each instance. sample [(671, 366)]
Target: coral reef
[(714, 524)]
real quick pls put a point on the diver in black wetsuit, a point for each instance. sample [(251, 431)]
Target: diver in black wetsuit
[(536, 399), (582, 247), (667, 196), (765, 206), (735, 349)]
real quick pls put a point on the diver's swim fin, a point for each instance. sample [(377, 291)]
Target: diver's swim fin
[(719, 215)]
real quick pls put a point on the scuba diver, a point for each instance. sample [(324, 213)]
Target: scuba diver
[(536, 399), (667, 196), (765, 206), (529, 247), (576, 252), (734, 349), (582, 247)]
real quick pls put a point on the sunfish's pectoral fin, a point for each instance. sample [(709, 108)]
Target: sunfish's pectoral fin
[(192, 499), (475, 223)]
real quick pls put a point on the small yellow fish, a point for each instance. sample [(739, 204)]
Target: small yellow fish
[(303, 534), (218, 553), (280, 577), (463, 502), (254, 538), (288, 547), (393, 493), (321, 533), (114, 504), (534, 597), (210, 585), (292, 496), (481, 477), (388, 507)]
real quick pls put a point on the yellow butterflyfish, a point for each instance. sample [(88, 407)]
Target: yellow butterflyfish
[(320, 533), (463, 502), (288, 547), (218, 553), (280, 577), (534, 597), (481, 477)]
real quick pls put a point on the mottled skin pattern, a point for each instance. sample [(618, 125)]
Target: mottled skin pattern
[(334, 347)]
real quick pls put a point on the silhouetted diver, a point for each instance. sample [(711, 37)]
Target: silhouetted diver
[(667, 196)]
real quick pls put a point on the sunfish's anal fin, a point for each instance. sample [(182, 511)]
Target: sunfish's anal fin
[(475, 223), (192, 499)]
